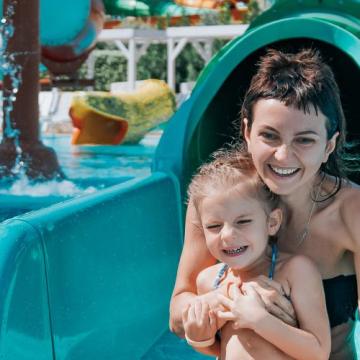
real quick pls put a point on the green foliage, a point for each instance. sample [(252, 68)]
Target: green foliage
[(253, 11), (110, 68)]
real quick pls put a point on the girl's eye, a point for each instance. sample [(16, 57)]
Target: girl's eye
[(305, 140), (212, 226), (243, 221)]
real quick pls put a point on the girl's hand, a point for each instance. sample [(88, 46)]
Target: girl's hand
[(245, 308), (273, 296), (199, 321)]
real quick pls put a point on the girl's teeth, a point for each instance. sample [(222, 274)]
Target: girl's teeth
[(236, 251), (283, 171)]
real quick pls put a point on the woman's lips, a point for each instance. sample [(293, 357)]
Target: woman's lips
[(284, 171)]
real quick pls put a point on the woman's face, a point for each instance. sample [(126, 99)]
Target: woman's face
[(287, 145)]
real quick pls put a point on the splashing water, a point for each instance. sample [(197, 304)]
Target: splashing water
[(13, 70), (63, 188), (23, 185)]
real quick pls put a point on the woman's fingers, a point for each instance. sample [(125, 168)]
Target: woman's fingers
[(234, 291), (226, 315), (271, 284), (280, 314), (225, 301), (273, 296), (286, 305)]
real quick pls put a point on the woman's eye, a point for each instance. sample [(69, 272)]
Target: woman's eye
[(268, 136)]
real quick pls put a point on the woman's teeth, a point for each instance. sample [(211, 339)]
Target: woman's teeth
[(237, 251), (283, 171)]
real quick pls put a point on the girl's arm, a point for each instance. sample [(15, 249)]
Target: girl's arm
[(311, 340), (200, 326), (194, 258)]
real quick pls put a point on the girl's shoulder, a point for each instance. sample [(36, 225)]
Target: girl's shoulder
[(205, 279), (297, 268)]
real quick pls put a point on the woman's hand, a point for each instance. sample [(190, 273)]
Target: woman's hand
[(244, 307), (273, 296), (199, 321)]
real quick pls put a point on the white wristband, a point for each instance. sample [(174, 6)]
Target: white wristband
[(200, 344)]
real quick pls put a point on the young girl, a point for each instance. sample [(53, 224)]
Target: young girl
[(239, 216)]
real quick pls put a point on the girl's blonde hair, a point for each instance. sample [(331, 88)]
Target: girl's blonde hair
[(228, 170)]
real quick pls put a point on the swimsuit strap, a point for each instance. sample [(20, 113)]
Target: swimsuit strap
[(219, 275), (274, 255)]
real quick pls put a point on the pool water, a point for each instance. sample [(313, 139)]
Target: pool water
[(87, 170), (103, 161)]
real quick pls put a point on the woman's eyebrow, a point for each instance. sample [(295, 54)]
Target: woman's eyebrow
[(307, 132), (267, 127), (304, 132)]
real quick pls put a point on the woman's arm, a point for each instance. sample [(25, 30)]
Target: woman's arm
[(309, 342), (350, 212), (194, 258)]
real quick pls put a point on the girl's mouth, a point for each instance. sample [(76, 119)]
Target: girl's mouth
[(235, 251), (284, 172)]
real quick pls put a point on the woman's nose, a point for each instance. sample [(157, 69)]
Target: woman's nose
[(282, 152)]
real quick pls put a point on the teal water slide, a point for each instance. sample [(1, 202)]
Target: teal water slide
[(91, 278)]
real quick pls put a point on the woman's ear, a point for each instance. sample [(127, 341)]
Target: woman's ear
[(330, 146), (246, 131), (274, 221)]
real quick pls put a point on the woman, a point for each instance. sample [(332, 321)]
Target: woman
[(294, 128)]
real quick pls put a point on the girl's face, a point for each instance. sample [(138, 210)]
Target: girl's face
[(236, 226), (287, 145)]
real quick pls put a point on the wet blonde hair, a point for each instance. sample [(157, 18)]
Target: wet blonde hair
[(228, 170)]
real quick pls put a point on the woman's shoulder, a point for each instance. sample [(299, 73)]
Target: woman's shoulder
[(349, 200), (346, 198)]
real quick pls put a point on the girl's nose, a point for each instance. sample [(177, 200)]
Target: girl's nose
[(227, 233)]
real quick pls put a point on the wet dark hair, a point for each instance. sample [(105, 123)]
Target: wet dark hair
[(228, 170), (303, 80)]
